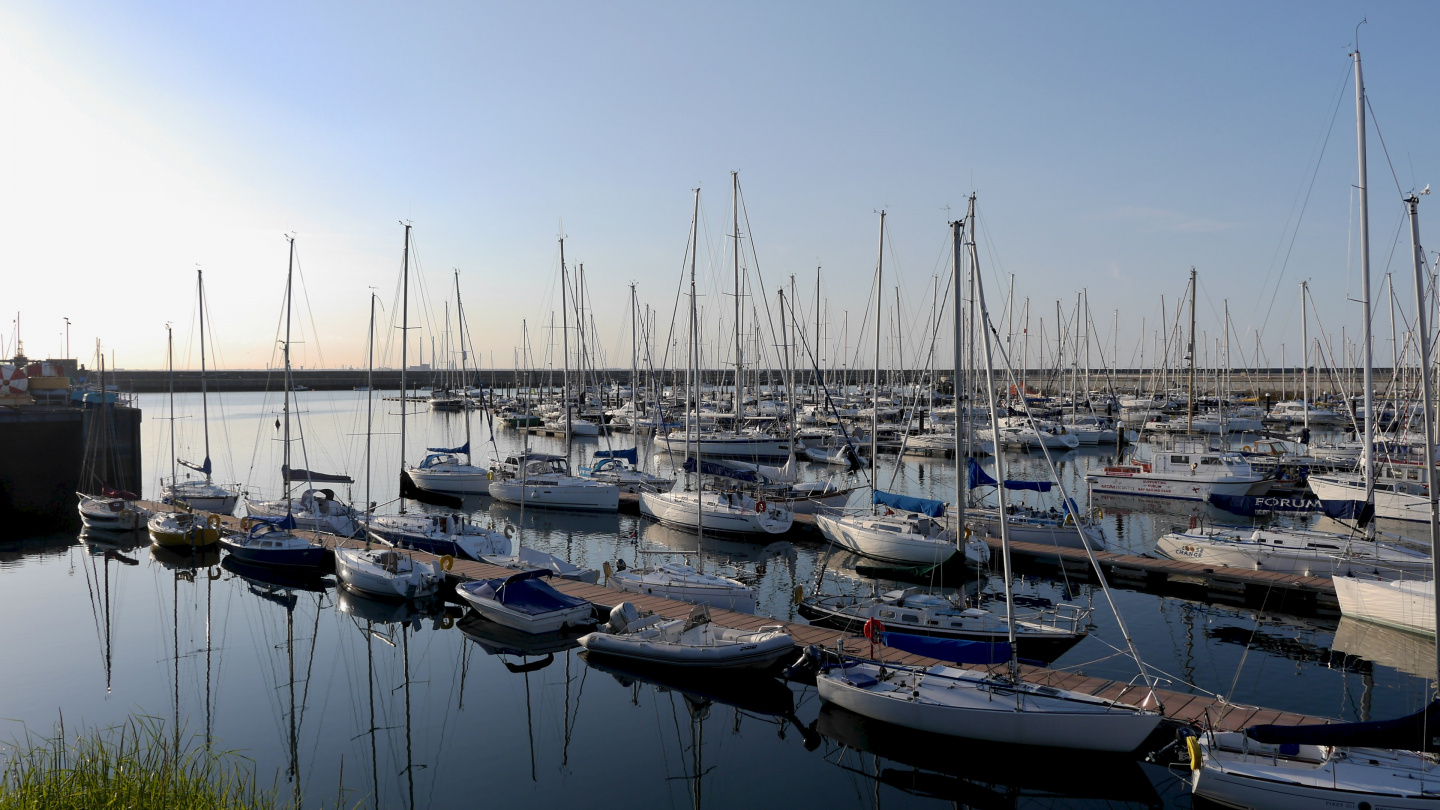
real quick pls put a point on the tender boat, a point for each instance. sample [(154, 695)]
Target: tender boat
[(524, 601), (691, 642)]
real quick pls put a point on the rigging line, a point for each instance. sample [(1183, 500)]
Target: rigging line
[(1375, 121), (1339, 97)]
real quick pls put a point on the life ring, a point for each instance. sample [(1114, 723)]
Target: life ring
[(760, 506), (509, 532), (447, 562), (489, 475), (13, 380), (1192, 746), (1194, 465), (1246, 448), (873, 628), (446, 622), (213, 521), (245, 523)]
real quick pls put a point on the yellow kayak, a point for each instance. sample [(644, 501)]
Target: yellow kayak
[(184, 529)]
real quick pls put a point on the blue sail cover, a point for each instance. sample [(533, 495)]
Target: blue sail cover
[(204, 468), (721, 470), (948, 649), (311, 475), (1416, 732), (909, 504), (980, 478), (464, 448), (526, 593), (286, 522), (632, 455)]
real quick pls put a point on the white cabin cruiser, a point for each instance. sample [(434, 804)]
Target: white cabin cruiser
[(1183, 474), (546, 482)]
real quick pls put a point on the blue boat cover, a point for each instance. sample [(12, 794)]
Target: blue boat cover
[(286, 522), (949, 649), (721, 470), (526, 593), (632, 455), (464, 448), (1415, 732), (909, 504), (204, 468), (311, 475), (980, 478)]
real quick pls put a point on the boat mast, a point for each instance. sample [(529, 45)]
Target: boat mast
[(289, 296), (875, 385), (739, 312), (1426, 398), (692, 370), (369, 411), (1190, 388), (404, 347), (634, 356), (1305, 354), (464, 398), (1368, 459), (170, 362), (204, 397), (565, 341), (957, 232)]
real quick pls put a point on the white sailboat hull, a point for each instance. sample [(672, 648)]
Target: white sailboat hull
[(1405, 605), (890, 547), (1392, 505), (358, 575), (448, 481), (1272, 556), (590, 496)]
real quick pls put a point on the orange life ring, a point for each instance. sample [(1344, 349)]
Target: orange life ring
[(873, 629), (760, 506)]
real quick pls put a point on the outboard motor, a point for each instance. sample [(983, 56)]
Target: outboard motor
[(805, 667), (621, 616)]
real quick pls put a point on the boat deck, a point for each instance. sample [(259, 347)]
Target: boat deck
[(1179, 708)]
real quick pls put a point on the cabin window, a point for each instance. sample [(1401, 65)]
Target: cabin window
[(1179, 459), (909, 617), (887, 614), (1413, 475)]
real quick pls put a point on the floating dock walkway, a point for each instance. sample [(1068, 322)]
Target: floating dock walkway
[(1179, 708)]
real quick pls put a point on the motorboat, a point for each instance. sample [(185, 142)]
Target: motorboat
[(184, 529), (618, 467), (546, 482), (524, 601), (387, 573), (694, 641), (272, 541), (112, 513), (1185, 474), (686, 584), (450, 472), (453, 534), (1294, 551)]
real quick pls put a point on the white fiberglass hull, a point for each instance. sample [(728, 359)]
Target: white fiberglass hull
[(1286, 552), (1182, 488), (1393, 505), (585, 496), (464, 483), (359, 573), (890, 547), (676, 509), (742, 447), (205, 501), (1345, 778), (685, 585), (962, 705), (1058, 535), (1405, 605), (759, 651), (549, 622)]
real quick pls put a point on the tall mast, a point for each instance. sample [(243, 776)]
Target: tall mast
[(875, 385), (170, 363), (369, 411), (1368, 449), (404, 347), (739, 361), (204, 397), (289, 296), (460, 325), (634, 356), (1305, 353), (1190, 388), (565, 341), (957, 232), (1418, 258), (692, 371)]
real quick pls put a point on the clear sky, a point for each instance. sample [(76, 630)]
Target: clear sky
[(1112, 147)]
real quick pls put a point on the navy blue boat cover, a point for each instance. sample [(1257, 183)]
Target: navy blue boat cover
[(311, 475), (980, 478), (632, 455), (1416, 732), (464, 448), (286, 522), (722, 471), (909, 504), (525, 593), (948, 649)]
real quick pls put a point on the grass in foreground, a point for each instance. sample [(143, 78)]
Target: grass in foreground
[(133, 765)]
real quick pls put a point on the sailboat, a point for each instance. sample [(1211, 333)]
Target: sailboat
[(449, 534), (451, 469), (978, 703), (272, 540), (1382, 763), (204, 495), (178, 525), (111, 509)]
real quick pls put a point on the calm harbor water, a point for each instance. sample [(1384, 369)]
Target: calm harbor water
[(338, 697)]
